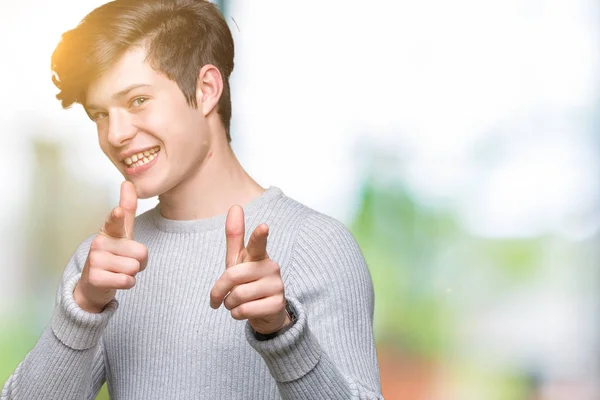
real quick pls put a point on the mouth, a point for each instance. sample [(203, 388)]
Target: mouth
[(144, 157)]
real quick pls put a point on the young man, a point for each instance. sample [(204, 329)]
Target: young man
[(173, 304)]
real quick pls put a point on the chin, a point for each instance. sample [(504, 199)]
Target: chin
[(146, 191), (146, 195)]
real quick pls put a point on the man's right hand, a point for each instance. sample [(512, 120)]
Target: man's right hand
[(114, 258)]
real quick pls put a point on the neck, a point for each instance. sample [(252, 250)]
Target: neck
[(219, 183)]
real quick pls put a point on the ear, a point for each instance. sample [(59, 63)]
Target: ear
[(208, 88)]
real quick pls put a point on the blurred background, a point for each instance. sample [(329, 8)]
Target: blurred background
[(459, 141)]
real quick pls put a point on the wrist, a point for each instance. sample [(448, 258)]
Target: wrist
[(290, 318), (84, 303)]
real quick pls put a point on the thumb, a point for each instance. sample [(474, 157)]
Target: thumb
[(234, 235), (128, 203)]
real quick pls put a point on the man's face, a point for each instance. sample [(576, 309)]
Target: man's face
[(145, 126)]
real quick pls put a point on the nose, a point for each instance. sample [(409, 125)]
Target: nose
[(120, 129)]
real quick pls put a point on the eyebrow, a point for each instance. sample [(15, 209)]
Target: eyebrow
[(121, 93)]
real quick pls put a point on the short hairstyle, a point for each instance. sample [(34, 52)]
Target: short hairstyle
[(180, 36)]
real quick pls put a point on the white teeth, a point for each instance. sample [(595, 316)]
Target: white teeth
[(141, 158)]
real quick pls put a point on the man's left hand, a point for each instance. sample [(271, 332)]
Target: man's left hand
[(251, 286)]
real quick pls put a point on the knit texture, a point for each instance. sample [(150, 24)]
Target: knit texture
[(161, 339)]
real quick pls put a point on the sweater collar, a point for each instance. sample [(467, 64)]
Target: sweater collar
[(217, 221)]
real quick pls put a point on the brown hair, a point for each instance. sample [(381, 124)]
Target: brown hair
[(181, 36)]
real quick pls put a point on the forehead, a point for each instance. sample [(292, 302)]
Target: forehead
[(130, 69)]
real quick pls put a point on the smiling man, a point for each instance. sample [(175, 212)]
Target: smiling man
[(225, 290)]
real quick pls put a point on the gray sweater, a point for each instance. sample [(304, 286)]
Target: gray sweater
[(161, 339)]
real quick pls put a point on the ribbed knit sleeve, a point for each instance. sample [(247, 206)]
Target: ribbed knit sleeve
[(67, 361), (329, 353)]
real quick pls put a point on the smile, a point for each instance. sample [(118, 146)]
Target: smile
[(142, 158)]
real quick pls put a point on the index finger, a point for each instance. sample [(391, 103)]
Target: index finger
[(114, 226), (256, 249)]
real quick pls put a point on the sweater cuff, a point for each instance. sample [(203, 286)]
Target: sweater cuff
[(75, 327), (291, 355)]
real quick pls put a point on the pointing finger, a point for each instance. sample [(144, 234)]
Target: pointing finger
[(114, 226), (234, 232), (257, 244)]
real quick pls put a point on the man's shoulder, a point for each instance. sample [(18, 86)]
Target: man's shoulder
[(312, 225), (323, 246)]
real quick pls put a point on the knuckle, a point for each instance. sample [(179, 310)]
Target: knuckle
[(93, 278), (95, 258), (143, 252), (126, 282), (240, 312), (281, 303), (229, 301), (232, 275), (97, 243), (228, 304), (135, 266), (143, 259), (278, 286), (273, 267)]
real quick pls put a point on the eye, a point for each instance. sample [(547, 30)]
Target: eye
[(138, 101), (98, 115)]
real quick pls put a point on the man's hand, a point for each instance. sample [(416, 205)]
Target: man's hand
[(251, 287), (114, 258)]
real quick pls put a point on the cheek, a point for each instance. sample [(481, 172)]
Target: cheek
[(189, 130), (179, 127), (161, 121), (151, 121)]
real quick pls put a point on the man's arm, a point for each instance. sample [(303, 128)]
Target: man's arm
[(67, 361), (329, 352)]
